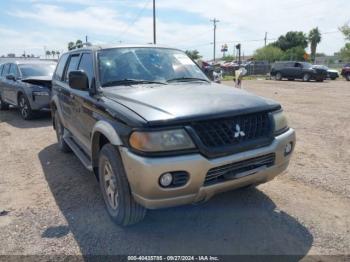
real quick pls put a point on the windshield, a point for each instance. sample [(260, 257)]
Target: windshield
[(146, 64), (30, 70)]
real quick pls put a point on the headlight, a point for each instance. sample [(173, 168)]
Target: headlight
[(281, 123), (40, 93), (157, 141)]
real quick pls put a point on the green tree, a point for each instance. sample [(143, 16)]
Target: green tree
[(79, 43), (53, 53), (58, 54), (228, 58), (290, 40), (70, 45), (193, 54), (268, 53), (314, 38), (295, 53), (47, 53), (345, 52), (345, 29)]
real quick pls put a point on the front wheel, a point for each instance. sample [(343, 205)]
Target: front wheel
[(306, 77), (278, 76), (120, 204), (24, 108)]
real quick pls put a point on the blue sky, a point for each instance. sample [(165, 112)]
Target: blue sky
[(35, 25)]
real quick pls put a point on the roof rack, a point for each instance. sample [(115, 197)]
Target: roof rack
[(88, 44)]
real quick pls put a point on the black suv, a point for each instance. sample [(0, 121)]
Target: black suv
[(157, 133), (297, 70)]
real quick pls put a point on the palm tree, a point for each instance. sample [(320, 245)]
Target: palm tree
[(314, 39), (70, 45), (53, 53), (47, 53), (58, 54)]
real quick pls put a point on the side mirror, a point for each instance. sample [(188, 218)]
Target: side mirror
[(78, 80), (11, 77)]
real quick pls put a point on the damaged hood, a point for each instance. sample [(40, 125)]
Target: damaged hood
[(187, 101)]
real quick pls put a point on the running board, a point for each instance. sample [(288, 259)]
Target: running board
[(77, 151)]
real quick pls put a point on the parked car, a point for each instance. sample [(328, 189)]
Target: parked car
[(331, 73), (157, 133), (26, 85), (345, 72), (297, 70)]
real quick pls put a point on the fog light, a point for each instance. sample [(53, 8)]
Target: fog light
[(166, 179), (288, 148)]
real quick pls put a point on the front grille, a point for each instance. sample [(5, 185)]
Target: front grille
[(231, 171), (227, 132)]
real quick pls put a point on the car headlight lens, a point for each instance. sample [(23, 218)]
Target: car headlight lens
[(40, 93), (281, 123), (158, 141)]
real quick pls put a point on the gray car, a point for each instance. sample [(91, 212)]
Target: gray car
[(26, 85)]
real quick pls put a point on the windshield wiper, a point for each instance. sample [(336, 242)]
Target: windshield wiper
[(187, 79), (128, 81)]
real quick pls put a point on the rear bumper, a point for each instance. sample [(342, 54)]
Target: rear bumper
[(143, 174)]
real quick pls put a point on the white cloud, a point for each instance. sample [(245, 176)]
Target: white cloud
[(240, 20)]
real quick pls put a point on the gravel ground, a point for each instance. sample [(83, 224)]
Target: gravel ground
[(55, 207)]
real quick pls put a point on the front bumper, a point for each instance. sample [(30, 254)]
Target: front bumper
[(143, 174), (40, 102)]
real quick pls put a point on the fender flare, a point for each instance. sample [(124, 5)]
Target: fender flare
[(102, 127)]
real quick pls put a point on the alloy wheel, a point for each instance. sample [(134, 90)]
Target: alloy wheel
[(23, 106), (110, 185)]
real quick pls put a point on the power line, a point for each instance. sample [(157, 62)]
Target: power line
[(136, 18)]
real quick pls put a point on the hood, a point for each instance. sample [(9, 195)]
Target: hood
[(187, 101), (44, 81)]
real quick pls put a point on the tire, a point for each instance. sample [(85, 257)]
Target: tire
[(278, 76), (3, 105), (347, 77), (120, 204), (306, 77), (24, 108), (62, 145)]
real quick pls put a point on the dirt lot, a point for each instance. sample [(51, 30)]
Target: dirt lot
[(55, 207)]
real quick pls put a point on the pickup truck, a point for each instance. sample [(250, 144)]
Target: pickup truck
[(157, 133)]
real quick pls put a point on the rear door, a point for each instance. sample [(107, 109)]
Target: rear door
[(3, 73), (13, 85), (6, 84)]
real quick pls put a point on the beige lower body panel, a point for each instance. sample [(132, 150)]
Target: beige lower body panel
[(143, 174)]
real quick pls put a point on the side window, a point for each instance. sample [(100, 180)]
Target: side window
[(86, 65), (73, 65), (5, 70), (298, 65), (60, 67), (13, 70)]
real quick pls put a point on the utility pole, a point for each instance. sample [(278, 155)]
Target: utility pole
[(214, 23), (265, 39), (86, 39), (154, 22)]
